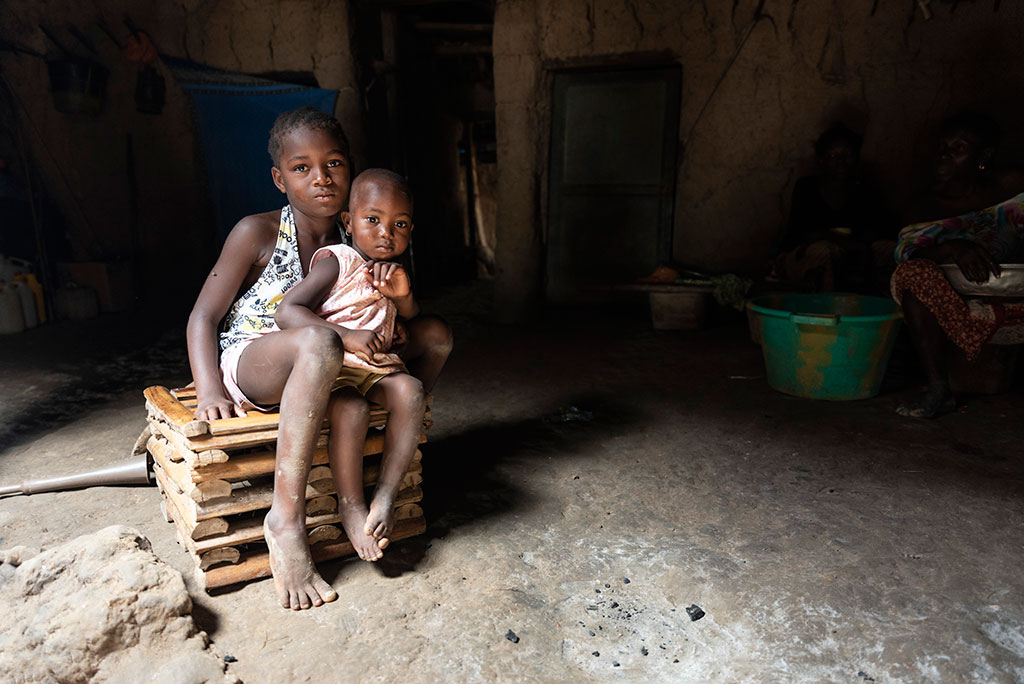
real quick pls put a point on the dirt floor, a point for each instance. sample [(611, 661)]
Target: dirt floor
[(585, 484)]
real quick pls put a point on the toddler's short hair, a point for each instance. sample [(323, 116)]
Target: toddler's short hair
[(397, 181), (304, 117)]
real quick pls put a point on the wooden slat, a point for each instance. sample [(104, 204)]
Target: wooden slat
[(213, 533), (140, 443), (239, 441), (255, 464), (226, 554), (209, 528), (251, 529), (177, 471), (182, 451), (184, 404), (324, 533), (257, 496), (259, 420), (245, 440), (405, 511), (256, 564), (262, 496), (186, 392), (322, 505), (189, 393), (181, 474), (177, 514), (160, 400), (184, 516)]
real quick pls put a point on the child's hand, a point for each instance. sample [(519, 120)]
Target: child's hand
[(389, 278), (221, 407), (363, 343)]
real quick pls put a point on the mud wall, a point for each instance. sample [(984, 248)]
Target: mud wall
[(259, 36), (757, 90), (82, 161)]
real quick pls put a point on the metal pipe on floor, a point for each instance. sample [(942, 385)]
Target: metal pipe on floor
[(131, 472)]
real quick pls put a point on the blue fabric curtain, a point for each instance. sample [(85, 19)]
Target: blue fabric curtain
[(234, 113)]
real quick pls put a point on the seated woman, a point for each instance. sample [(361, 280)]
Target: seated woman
[(976, 241), (836, 221)]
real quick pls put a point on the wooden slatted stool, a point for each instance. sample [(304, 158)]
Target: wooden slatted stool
[(216, 482)]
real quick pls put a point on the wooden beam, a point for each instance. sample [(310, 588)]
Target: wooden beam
[(259, 463), (447, 27), (453, 50), (161, 402)]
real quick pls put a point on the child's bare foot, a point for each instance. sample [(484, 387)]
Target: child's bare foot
[(298, 584), (380, 520), (353, 519)]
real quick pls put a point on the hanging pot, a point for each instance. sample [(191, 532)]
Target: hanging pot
[(78, 86)]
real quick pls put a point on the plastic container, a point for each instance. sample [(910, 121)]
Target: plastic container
[(76, 303), (10, 266), (11, 319), (826, 346), (37, 292), (28, 303), (1010, 282)]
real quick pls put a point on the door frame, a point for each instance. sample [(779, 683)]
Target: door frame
[(596, 72)]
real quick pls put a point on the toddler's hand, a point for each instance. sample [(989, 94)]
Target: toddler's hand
[(389, 278), (363, 343)]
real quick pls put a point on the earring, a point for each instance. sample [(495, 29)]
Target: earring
[(981, 166)]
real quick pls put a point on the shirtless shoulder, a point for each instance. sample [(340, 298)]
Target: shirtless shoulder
[(256, 234), (258, 229), (251, 243)]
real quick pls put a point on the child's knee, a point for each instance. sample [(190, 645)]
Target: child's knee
[(409, 394), (348, 406), (321, 344), (435, 334)]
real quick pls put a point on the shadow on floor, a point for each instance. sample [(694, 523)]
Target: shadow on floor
[(463, 474), (60, 373)]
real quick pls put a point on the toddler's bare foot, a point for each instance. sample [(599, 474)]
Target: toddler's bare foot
[(380, 519), (353, 519), (297, 582)]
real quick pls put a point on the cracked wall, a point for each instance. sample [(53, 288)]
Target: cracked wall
[(756, 93)]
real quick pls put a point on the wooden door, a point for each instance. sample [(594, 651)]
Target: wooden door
[(612, 179)]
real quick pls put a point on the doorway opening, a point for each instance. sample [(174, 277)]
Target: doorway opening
[(427, 75)]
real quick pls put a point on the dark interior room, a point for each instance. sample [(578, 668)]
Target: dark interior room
[(511, 341)]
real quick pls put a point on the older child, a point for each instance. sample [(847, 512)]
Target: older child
[(356, 292), (252, 364)]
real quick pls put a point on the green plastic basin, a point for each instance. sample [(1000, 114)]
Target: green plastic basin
[(826, 346)]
